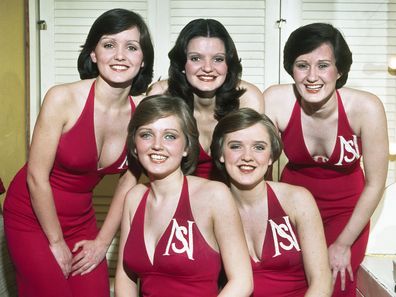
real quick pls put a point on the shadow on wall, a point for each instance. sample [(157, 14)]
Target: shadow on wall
[(7, 275)]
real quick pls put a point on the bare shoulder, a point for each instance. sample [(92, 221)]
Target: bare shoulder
[(252, 97), (277, 93), (65, 101), (364, 110), (133, 198), (293, 199), (289, 192), (359, 101), (208, 191), (67, 94), (158, 88), (243, 84), (279, 101)]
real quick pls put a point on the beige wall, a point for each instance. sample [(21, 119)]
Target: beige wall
[(12, 89)]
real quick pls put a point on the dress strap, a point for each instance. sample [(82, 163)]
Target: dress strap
[(274, 207), (343, 122), (184, 207)]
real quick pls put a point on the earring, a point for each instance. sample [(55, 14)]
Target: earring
[(184, 71)]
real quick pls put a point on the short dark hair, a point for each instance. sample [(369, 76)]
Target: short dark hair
[(227, 96), (155, 107), (112, 22), (309, 37), (239, 120)]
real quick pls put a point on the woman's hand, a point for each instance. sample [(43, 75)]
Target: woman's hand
[(63, 256), (340, 262), (91, 254)]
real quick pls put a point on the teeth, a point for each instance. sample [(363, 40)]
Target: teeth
[(206, 78), (157, 157), (246, 167), (315, 87), (119, 67)]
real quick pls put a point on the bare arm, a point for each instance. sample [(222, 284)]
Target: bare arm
[(233, 249), (93, 252), (313, 244), (50, 123), (113, 217), (375, 160), (124, 285), (252, 98), (279, 101)]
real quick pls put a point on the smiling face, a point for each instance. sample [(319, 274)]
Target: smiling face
[(247, 155), (315, 74), (206, 67), (119, 57), (160, 146)]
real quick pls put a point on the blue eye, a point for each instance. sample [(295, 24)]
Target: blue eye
[(145, 135), (259, 147), (170, 137)]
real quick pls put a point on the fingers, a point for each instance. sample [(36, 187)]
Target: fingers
[(66, 269), (65, 266), (84, 263), (335, 272), (62, 256), (79, 257), (78, 245), (350, 272), (83, 268), (342, 276), (92, 267)]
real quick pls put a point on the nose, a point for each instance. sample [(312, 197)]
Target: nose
[(312, 74), (119, 54), (246, 155), (207, 65), (157, 144)]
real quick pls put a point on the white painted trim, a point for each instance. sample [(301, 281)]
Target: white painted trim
[(158, 17), (34, 65), (47, 53), (291, 11), (271, 41)]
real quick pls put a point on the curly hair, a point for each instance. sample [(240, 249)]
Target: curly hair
[(227, 96)]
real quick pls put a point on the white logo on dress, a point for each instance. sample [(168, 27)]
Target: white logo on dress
[(281, 230), (124, 164), (349, 150), (180, 232)]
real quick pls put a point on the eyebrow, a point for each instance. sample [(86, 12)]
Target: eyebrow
[(322, 60), (165, 130), (198, 53), (104, 37), (254, 141)]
